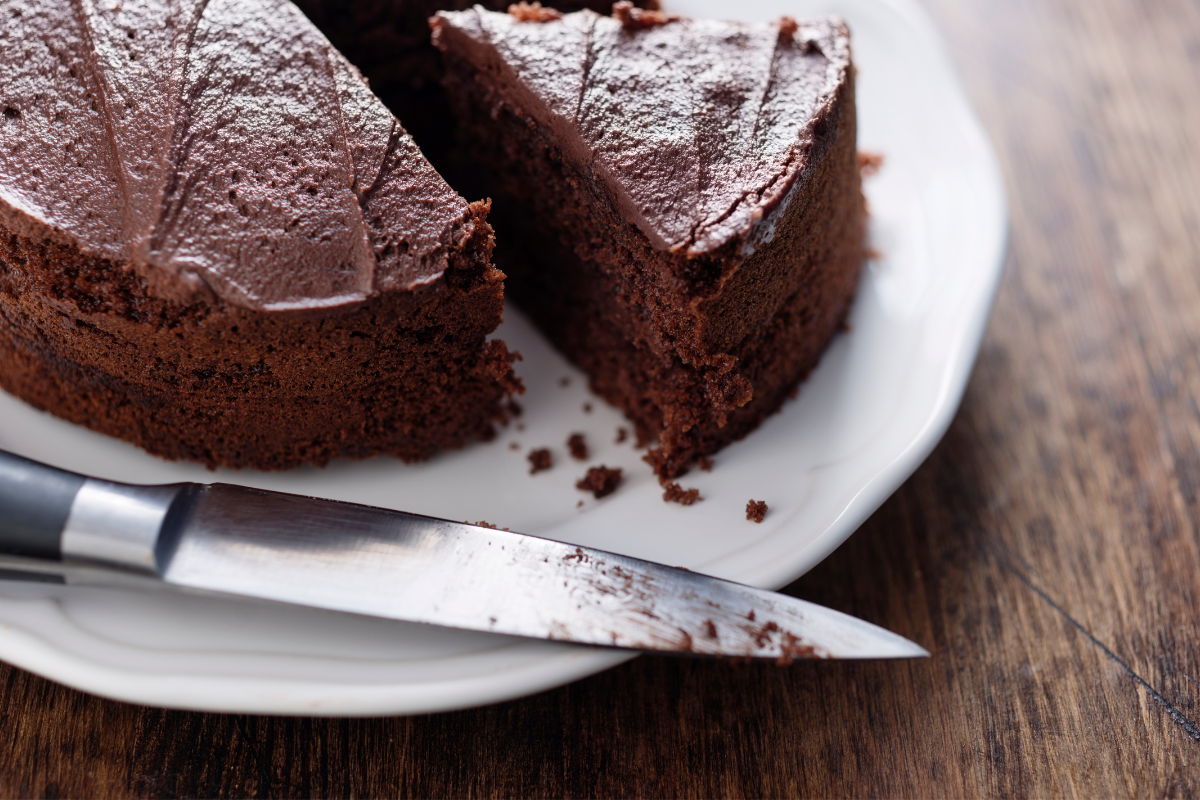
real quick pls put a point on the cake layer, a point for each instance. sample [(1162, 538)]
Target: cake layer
[(695, 276), (404, 374)]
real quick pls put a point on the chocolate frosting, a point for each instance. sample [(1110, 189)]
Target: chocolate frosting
[(699, 128), (216, 146)]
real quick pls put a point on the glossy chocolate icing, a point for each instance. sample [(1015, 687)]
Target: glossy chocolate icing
[(700, 129), (219, 148)]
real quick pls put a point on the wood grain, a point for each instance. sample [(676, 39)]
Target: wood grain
[(1048, 553)]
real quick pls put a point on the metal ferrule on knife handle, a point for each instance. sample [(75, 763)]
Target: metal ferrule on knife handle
[(55, 515)]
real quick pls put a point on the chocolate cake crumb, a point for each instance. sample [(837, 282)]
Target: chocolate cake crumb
[(793, 393), (540, 460), (710, 629), (756, 510), (788, 26), (622, 435), (578, 447), (514, 446), (564, 382), (533, 12), (600, 481), (587, 408), (763, 635), (677, 494), (792, 648), (520, 426), (869, 163), (704, 463), (514, 408), (579, 504), (634, 18), (483, 524)]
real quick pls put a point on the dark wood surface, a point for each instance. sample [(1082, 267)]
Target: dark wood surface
[(1048, 552)]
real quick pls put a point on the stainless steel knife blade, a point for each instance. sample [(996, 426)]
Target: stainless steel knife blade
[(364, 560)]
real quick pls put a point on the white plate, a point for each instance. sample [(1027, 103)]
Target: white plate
[(880, 400)]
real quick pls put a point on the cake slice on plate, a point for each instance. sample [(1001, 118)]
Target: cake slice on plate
[(677, 201), (216, 243)]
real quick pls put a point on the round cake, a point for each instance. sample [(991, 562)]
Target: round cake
[(217, 244)]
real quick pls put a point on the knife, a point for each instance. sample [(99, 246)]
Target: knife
[(216, 538)]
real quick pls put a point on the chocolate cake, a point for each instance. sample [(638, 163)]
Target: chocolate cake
[(216, 243), (677, 202)]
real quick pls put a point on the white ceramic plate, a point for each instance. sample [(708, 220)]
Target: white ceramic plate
[(880, 400)]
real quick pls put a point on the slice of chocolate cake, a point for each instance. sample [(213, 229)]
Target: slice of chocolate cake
[(216, 243), (678, 202)]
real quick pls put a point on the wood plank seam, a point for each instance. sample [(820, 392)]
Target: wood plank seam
[(1188, 726), (260, 763)]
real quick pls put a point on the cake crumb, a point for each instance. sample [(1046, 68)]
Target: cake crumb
[(564, 381), (514, 408), (622, 435), (756, 510), (788, 26), (601, 481), (579, 504), (578, 447), (791, 648), (483, 524), (520, 426), (704, 463), (677, 494), (540, 460), (533, 12), (635, 18), (710, 629), (869, 163), (514, 445), (793, 393), (587, 408)]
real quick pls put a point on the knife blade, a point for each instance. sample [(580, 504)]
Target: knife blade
[(234, 540)]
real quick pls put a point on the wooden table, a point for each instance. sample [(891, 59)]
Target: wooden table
[(1048, 552)]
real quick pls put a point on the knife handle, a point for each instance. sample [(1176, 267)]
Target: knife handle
[(34, 503)]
